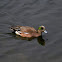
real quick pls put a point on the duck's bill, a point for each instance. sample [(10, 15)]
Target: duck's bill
[(45, 31)]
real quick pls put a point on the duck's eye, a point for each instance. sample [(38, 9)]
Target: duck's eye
[(42, 28)]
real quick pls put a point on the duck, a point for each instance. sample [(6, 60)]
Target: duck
[(26, 31)]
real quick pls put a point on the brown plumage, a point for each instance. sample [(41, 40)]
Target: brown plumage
[(26, 31)]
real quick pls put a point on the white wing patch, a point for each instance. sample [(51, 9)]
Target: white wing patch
[(26, 33), (18, 32)]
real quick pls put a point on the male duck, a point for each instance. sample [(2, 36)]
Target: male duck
[(26, 31)]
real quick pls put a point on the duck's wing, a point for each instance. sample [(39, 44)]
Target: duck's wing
[(27, 29)]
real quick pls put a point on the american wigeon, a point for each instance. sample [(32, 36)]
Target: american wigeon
[(26, 31)]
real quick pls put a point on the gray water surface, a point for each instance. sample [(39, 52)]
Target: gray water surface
[(32, 13)]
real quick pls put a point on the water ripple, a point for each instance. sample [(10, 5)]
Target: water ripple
[(4, 3)]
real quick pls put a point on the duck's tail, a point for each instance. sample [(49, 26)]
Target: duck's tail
[(12, 28), (15, 28)]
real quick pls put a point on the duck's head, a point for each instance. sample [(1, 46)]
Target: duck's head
[(42, 29)]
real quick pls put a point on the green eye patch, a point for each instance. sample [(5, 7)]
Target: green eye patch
[(39, 28)]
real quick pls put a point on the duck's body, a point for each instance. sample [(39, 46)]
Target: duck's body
[(26, 31)]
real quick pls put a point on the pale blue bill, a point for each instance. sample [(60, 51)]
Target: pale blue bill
[(45, 31)]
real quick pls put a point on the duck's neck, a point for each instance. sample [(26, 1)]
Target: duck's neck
[(39, 32)]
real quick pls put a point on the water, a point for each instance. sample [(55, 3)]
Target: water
[(31, 13)]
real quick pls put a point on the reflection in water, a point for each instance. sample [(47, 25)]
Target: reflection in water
[(40, 39)]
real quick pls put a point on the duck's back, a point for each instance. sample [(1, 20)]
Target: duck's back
[(27, 29)]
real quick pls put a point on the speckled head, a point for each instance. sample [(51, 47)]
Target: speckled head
[(42, 28)]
